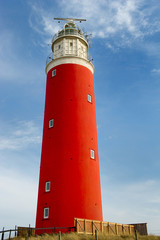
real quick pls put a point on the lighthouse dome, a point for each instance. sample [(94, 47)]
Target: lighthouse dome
[(70, 25)]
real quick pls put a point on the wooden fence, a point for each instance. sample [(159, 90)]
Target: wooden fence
[(80, 226), (29, 231), (89, 227)]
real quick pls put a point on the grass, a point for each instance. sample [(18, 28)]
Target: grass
[(75, 236)]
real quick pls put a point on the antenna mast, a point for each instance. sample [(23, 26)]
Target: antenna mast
[(70, 19)]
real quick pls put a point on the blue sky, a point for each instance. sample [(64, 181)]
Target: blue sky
[(126, 50)]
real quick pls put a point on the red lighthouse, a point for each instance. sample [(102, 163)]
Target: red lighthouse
[(69, 183)]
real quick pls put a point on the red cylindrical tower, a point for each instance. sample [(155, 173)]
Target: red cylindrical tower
[(69, 183)]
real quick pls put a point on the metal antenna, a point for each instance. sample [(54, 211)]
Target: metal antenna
[(88, 37), (70, 19)]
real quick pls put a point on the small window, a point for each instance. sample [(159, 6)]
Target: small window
[(47, 187), (89, 98), (71, 44), (92, 154), (46, 212), (59, 46), (54, 73), (51, 123)]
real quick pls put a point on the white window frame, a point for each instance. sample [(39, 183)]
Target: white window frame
[(92, 154), (53, 72), (47, 186), (46, 210), (51, 123), (89, 98)]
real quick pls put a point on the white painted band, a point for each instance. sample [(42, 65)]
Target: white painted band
[(70, 59)]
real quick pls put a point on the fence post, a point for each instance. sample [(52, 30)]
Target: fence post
[(92, 228), (15, 231), (59, 235), (76, 225), (84, 225), (2, 237), (116, 229), (96, 234), (29, 232), (102, 226), (122, 229), (26, 237), (9, 234), (136, 237)]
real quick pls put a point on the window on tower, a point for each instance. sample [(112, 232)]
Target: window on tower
[(47, 186), (51, 123), (46, 213), (89, 98), (92, 154), (53, 72)]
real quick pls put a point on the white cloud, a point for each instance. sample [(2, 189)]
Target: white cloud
[(151, 48), (111, 47), (123, 203), (19, 167), (123, 16), (123, 21), (18, 198), (156, 70), (42, 21), (20, 136), (135, 202)]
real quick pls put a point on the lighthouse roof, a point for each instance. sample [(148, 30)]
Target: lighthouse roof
[(70, 25)]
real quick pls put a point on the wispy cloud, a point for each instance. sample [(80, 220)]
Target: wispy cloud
[(121, 21), (156, 70), (22, 135), (19, 164), (42, 22)]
